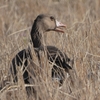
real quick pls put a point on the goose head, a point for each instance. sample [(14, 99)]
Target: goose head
[(48, 23)]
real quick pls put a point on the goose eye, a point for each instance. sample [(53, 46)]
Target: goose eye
[(52, 18)]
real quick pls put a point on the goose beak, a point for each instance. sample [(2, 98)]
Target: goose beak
[(59, 27)]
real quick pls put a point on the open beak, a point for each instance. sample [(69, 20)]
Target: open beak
[(59, 27)]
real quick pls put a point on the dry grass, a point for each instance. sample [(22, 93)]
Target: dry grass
[(80, 42)]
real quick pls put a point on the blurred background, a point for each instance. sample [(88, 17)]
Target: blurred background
[(80, 41)]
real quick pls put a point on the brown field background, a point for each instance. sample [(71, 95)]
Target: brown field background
[(80, 42)]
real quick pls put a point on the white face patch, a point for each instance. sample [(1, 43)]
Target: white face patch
[(59, 24)]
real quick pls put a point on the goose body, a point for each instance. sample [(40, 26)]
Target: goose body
[(53, 53)]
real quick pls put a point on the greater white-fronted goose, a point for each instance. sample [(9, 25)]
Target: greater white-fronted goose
[(42, 25)]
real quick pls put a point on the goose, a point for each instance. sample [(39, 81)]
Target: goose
[(42, 25)]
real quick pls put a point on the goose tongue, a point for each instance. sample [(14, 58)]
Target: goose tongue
[(59, 27)]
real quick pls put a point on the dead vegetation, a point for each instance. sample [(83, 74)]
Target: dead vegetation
[(80, 42)]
